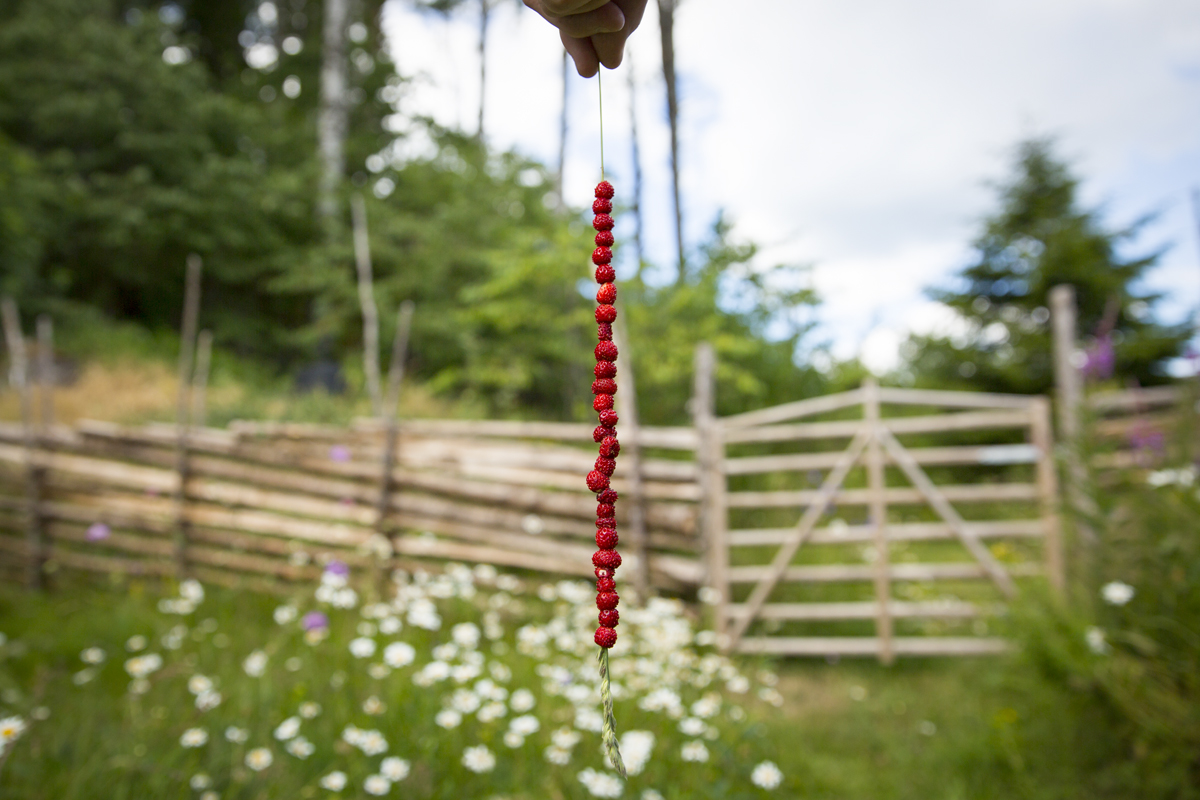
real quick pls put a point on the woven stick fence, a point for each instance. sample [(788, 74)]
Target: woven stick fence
[(271, 501)]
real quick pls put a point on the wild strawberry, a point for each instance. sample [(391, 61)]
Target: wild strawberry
[(604, 239), (607, 600), (604, 329), (604, 386), (605, 369), (607, 496), (606, 538), (602, 402), (610, 447), (601, 255), (604, 510), (606, 351), (606, 637), (605, 313), (605, 585), (600, 432), (602, 222), (607, 293), (604, 189), (602, 205), (606, 465), (606, 522), (609, 418), (596, 482), (609, 618), (605, 274), (609, 559)]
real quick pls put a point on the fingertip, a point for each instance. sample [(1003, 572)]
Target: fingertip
[(587, 63)]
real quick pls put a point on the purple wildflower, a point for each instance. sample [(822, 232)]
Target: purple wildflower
[(314, 620), (1101, 359), (97, 532), (336, 567), (339, 453)]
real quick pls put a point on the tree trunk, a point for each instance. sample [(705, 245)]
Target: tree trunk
[(637, 167), (332, 122), (562, 129), (483, 24), (666, 22)]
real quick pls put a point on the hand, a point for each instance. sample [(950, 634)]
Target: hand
[(592, 31)]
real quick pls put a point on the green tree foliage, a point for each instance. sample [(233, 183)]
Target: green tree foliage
[(1039, 238), (734, 307)]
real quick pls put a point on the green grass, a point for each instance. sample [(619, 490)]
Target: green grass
[(966, 728)]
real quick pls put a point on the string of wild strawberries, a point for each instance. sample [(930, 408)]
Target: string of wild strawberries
[(606, 559)]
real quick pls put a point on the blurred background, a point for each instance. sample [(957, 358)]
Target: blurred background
[(859, 190)]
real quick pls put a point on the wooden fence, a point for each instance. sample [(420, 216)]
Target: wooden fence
[(879, 517), (265, 502)]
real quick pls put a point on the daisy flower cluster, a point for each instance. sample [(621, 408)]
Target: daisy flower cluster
[(467, 677)]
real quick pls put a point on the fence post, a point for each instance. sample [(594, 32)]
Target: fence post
[(19, 378), (45, 370), (391, 433), (710, 454), (876, 489), (366, 299), (191, 313), (631, 457), (1069, 395), (1047, 487), (200, 381)]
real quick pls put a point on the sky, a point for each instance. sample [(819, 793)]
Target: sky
[(861, 139)]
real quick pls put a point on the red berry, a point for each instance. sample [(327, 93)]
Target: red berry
[(604, 239), (602, 402), (605, 274), (606, 351), (606, 538), (606, 465), (602, 222), (606, 522), (608, 418), (597, 481), (602, 205), (605, 369), (604, 386), (604, 189), (600, 432), (604, 510), (607, 293), (609, 618), (607, 496), (610, 447), (604, 329), (607, 600), (605, 585), (601, 255), (606, 637), (604, 574), (609, 559), (605, 313)]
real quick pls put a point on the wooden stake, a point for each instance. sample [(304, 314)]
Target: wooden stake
[(395, 377), (45, 370), (878, 521), (200, 381), (709, 455), (1069, 391), (631, 463), (1047, 482), (191, 313), (19, 378), (366, 299)]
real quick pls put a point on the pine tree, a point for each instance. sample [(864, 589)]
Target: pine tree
[(1038, 238)]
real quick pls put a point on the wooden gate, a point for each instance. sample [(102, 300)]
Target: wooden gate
[(901, 542)]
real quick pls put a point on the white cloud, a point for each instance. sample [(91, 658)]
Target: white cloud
[(857, 137)]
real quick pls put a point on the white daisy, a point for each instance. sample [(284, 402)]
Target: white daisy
[(479, 759), (334, 781), (194, 737), (766, 775), (1116, 593), (394, 768), (377, 785), (694, 751), (259, 759)]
